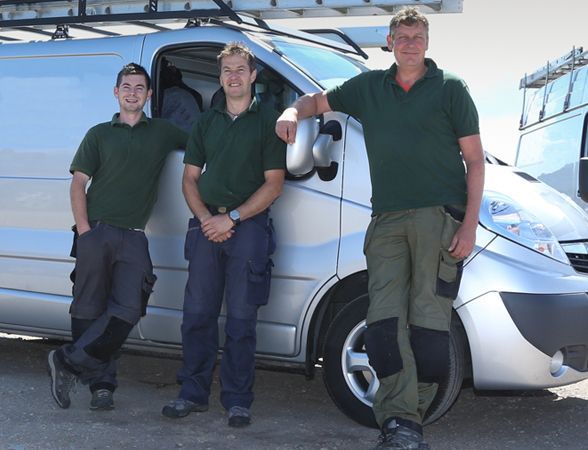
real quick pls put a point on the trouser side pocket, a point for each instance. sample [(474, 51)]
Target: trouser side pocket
[(148, 283)]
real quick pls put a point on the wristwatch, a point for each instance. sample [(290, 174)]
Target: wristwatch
[(235, 216)]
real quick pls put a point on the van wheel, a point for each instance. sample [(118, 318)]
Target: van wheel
[(352, 383)]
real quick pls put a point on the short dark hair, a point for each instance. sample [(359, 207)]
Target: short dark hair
[(408, 16), (133, 69), (240, 49)]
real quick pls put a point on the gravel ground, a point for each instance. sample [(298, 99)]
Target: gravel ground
[(290, 412)]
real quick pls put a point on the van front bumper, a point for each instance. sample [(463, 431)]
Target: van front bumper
[(552, 323), (527, 341)]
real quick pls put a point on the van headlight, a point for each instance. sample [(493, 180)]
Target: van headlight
[(507, 218)]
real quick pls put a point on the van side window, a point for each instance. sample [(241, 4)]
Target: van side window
[(580, 89), (557, 96), (535, 105), (551, 153)]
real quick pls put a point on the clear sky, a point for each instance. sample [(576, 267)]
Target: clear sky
[(491, 45)]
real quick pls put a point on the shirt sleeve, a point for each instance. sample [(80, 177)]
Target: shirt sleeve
[(195, 154), (464, 115), (347, 97), (87, 157)]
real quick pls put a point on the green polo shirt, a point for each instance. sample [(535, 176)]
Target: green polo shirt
[(411, 137), (236, 153), (124, 164)]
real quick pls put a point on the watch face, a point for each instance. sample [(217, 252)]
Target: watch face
[(234, 215)]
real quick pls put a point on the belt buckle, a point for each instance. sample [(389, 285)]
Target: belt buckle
[(221, 209)]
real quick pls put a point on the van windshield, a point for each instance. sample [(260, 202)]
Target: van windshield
[(327, 67)]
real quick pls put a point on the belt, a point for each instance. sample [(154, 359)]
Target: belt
[(94, 223), (214, 210)]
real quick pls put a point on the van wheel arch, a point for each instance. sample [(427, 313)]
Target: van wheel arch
[(339, 295), (352, 390)]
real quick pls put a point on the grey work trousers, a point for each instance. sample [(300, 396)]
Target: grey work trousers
[(113, 278)]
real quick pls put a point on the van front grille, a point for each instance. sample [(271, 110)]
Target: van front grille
[(577, 253), (579, 262)]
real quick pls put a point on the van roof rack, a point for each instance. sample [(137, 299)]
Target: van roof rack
[(548, 73), (92, 15), (35, 13), (552, 70)]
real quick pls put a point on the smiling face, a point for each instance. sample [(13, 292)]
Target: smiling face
[(132, 93), (409, 44), (236, 77)]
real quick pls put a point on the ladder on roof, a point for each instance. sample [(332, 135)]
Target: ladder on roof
[(90, 15), (548, 73), (552, 70)]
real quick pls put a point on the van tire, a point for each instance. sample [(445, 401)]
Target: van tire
[(353, 390)]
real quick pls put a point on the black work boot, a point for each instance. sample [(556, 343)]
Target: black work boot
[(181, 407), (405, 435), (102, 400), (63, 380)]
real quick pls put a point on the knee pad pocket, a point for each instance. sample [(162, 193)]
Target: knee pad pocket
[(111, 340), (431, 353), (381, 343), (79, 327)]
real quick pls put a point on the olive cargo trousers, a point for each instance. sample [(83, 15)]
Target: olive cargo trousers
[(412, 284)]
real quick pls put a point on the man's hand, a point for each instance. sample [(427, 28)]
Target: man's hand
[(463, 241), (83, 229), (218, 228), (287, 124)]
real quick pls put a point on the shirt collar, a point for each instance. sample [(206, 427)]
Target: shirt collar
[(115, 122), (431, 72), (221, 106)]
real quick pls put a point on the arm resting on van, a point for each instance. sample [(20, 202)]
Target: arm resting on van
[(473, 155), (306, 106), (79, 206)]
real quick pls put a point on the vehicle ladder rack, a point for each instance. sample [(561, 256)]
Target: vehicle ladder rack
[(550, 72), (37, 16)]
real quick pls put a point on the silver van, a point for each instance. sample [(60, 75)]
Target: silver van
[(520, 317)]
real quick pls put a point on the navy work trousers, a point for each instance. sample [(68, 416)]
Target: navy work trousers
[(113, 279), (239, 268)]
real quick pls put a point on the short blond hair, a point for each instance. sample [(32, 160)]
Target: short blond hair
[(240, 49), (408, 16)]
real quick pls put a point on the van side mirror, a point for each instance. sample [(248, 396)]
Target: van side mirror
[(328, 133), (299, 159), (583, 179)]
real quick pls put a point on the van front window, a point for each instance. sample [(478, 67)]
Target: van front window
[(327, 67)]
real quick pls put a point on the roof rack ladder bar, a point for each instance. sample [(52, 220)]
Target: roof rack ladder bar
[(151, 12), (94, 30), (342, 35), (542, 112), (522, 120), (34, 30), (569, 94), (8, 39), (228, 11)]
